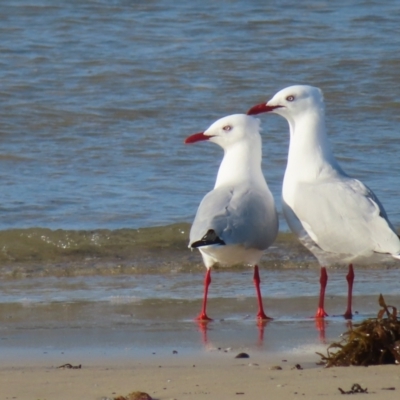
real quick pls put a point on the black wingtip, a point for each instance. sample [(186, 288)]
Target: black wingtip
[(208, 239)]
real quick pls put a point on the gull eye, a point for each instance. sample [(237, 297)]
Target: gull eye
[(290, 98), (227, 128)]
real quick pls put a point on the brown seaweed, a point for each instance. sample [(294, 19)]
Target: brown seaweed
[(374, 341), (70, 366), (134, 396), (356, 388)]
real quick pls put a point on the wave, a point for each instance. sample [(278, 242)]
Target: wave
[(36, 252)]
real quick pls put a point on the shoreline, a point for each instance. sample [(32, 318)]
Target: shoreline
[(143, 343), (180, 359)]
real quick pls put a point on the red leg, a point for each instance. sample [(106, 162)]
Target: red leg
[(203, 314), (350, 279), (323, 280), (260, 315)]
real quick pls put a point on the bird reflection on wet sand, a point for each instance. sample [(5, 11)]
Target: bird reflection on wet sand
[(281, 332), (320, 325), (203, 328)]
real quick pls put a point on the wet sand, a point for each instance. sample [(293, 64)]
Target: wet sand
[(127, 343), (171, 358)]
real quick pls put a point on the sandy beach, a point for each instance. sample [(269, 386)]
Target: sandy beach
[(126, 344), (214, 375), (155, 346), (180, 359)]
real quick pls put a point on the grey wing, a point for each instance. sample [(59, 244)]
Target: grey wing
[(211, 214), (238, 215), (344, 216), (297, 228)]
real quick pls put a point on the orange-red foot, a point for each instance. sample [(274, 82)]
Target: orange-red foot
[(321, 313), (348, 315), (203, 317), (262, 317)]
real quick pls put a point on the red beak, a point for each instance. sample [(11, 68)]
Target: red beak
[(197, 137), (261, 108)]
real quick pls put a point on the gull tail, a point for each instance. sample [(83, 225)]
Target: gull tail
[(208, 239)]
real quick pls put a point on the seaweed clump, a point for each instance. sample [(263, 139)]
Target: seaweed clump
[(134, 396), (372, 342)]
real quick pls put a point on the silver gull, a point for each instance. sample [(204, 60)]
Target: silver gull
[(335, 216), (237, 221)]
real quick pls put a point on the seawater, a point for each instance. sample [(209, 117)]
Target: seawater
[(97, 98)]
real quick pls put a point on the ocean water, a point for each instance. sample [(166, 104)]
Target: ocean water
[(96, 99)]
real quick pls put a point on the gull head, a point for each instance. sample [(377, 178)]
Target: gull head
[(292, 102), (229, 130)]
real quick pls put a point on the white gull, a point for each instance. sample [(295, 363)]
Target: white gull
[(237, 220), (336, 217)]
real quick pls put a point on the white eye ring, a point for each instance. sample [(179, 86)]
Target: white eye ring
[(227, 128), (290, 98)]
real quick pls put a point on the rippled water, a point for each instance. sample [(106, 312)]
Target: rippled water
[(96, 99)]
